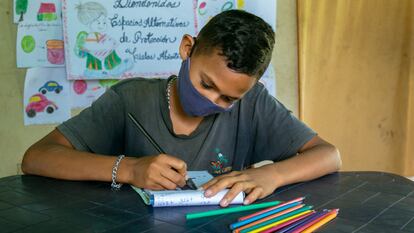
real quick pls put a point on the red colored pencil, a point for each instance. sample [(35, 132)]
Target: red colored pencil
[(271, 208)]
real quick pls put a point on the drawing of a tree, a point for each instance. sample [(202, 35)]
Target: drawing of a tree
[(21, 8)]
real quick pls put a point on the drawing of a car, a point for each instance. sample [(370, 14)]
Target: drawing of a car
[(38, 103), (51, 86)]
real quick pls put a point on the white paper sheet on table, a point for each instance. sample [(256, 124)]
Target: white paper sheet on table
[(46, 96)]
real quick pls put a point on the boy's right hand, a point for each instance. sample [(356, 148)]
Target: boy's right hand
[(156, 172)]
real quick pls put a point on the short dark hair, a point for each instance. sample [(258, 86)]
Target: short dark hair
[(244, 39)]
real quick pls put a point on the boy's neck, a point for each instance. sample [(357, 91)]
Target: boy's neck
[(182, 123)]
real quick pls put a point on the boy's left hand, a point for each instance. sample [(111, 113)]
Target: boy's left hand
[(256, 182)]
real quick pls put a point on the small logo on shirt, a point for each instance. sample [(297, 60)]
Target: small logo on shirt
[(219, 166)]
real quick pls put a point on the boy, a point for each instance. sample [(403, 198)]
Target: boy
[(214, 116)]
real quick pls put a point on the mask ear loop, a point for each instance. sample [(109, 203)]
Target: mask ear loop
[(194, 45)]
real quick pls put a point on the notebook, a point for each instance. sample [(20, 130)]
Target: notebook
[(180, 197)]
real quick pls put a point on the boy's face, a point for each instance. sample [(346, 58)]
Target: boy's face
[(212, 78)]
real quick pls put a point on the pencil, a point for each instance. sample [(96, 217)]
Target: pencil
[(268, 222), (230, 210), (308, 224), (268, 218), (300, 199), (260, 229), (280, 226), (264, 215), (321, 222), (189, 182)]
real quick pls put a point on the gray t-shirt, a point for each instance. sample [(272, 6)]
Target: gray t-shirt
[(258, 127)]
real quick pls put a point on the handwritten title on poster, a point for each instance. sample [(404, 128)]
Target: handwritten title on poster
[(124, 38)]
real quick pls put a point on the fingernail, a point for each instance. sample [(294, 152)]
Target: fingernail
[(223, 202), (246, 202), (186, 177), (207, 193)]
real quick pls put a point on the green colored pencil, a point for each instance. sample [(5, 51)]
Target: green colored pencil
[(231, 210), (270, 221)]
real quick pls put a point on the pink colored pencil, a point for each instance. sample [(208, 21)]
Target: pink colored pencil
[(271, 208), (302, 228), (277, 227)]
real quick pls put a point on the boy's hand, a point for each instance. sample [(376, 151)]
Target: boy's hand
[(256, 182), (157, 172)]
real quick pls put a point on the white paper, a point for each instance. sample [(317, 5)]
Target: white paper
[(118, 39), (207, 9), (46, 96), (191, 198), (40, 45), (37, 11), (265, 9), (269, 80), (84, 92)]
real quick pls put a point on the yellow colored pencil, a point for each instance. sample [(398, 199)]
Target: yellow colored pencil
[(320, 223), (237, 230), (279, 222)]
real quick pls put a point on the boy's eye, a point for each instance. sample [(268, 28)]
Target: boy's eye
[(205, 85)]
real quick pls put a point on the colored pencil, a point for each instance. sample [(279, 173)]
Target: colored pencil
[(301, 210), (257, 217), (230, 210), (300, 222), (277, 227), (300, 199), (269, 217), (279, 222), (307, 225), (321, 223)]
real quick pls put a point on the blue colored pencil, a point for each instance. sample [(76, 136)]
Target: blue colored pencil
[(260, 216), (298, 224)]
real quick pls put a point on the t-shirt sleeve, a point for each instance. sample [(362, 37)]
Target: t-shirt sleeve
[(278, 133), (100, 128)]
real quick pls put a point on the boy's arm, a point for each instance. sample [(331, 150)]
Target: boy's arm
[(316, 158), (54, 156)]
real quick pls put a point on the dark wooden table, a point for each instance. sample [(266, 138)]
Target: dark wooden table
[(368, 201)]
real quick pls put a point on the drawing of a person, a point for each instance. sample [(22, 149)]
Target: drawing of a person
[(96, 46)]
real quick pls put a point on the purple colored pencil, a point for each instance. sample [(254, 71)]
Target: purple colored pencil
[(298, 224)]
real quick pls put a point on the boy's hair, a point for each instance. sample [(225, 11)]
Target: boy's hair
[(244, 39), (90, 11)]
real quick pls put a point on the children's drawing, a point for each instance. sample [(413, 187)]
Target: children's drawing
[(21, 8), (28, 44), (96, 46), (207, 9), (39, 103), (37, 11), (46, 96), (55, 52), (41, 45), (121, 39), (80, 86), (47, 12), (51, 86), (85, 92)]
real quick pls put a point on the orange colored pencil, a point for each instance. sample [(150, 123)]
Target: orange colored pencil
[(269, 217), (271, 208), (321, 222)]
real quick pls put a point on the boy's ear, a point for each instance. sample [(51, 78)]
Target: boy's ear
[(187, 43)]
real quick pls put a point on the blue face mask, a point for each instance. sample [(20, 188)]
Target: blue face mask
[(193, 103)]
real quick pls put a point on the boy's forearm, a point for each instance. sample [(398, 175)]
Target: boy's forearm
[(310, 164), (58, 161)]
